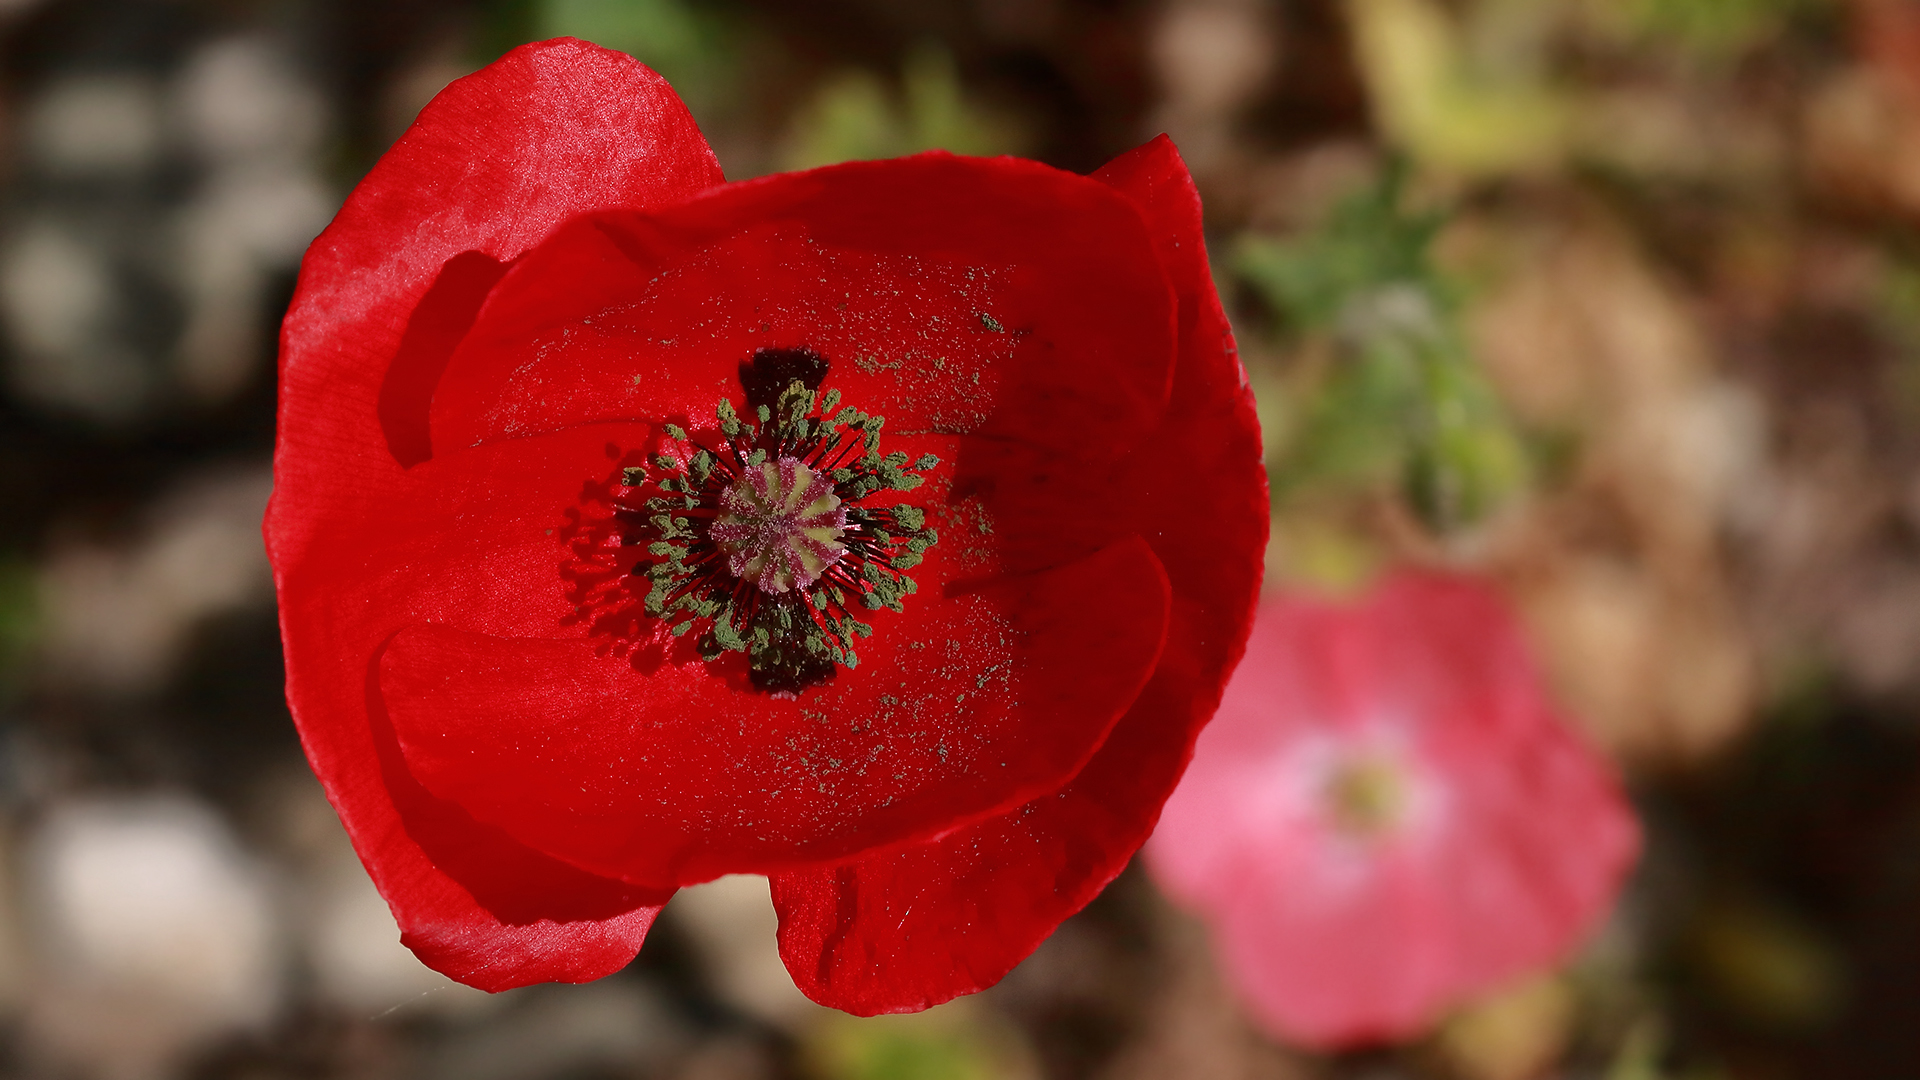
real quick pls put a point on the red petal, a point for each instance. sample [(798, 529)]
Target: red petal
[(484, 542), (974, 703), (916, 926), (491, 167), (959, 295), (539, 920)]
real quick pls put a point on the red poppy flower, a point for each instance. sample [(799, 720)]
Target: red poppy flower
[(601, 573), (1387, 815)]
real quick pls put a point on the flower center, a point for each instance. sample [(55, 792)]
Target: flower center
[(1366, 795), (780, 526), (760, 532)]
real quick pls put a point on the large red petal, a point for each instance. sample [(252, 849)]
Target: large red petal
[(471, 900), (655, 767), (957, 295), (906, 929), (978, 702), (1015, 305), (491, 167)]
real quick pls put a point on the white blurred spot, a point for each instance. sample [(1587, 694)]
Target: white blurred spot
[(250, 115), (354, 947), (153, 933), (732, 925), (246, 223), (351, 942), (57, 298), (116, 616), (54, 289), (1211, 55), (86, 308), (241, 99), (94, 124)]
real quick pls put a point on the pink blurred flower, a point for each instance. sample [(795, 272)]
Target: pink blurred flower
[(1387, 816)]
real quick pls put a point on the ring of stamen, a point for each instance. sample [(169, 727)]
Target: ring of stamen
[(761, 540)]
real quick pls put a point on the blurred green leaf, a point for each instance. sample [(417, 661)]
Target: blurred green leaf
[(1766, 965), (1642, 1051), (856, 117), (654, 30), (1639, 1055), (1708, 27), (19, 617), (1399, 399), (898, 1056), (852, 118), (1450, 106), (954, 1044), (1366, 242), (1897, 304), (685, 43), (502, 25)]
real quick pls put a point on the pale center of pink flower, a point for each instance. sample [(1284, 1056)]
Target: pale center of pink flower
[(1366, 795), (780, 526)]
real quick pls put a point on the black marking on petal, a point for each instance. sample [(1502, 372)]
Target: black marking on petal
[(767, 373)]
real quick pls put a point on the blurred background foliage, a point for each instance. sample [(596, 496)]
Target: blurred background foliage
[(1391, 399), (1616, 301)]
